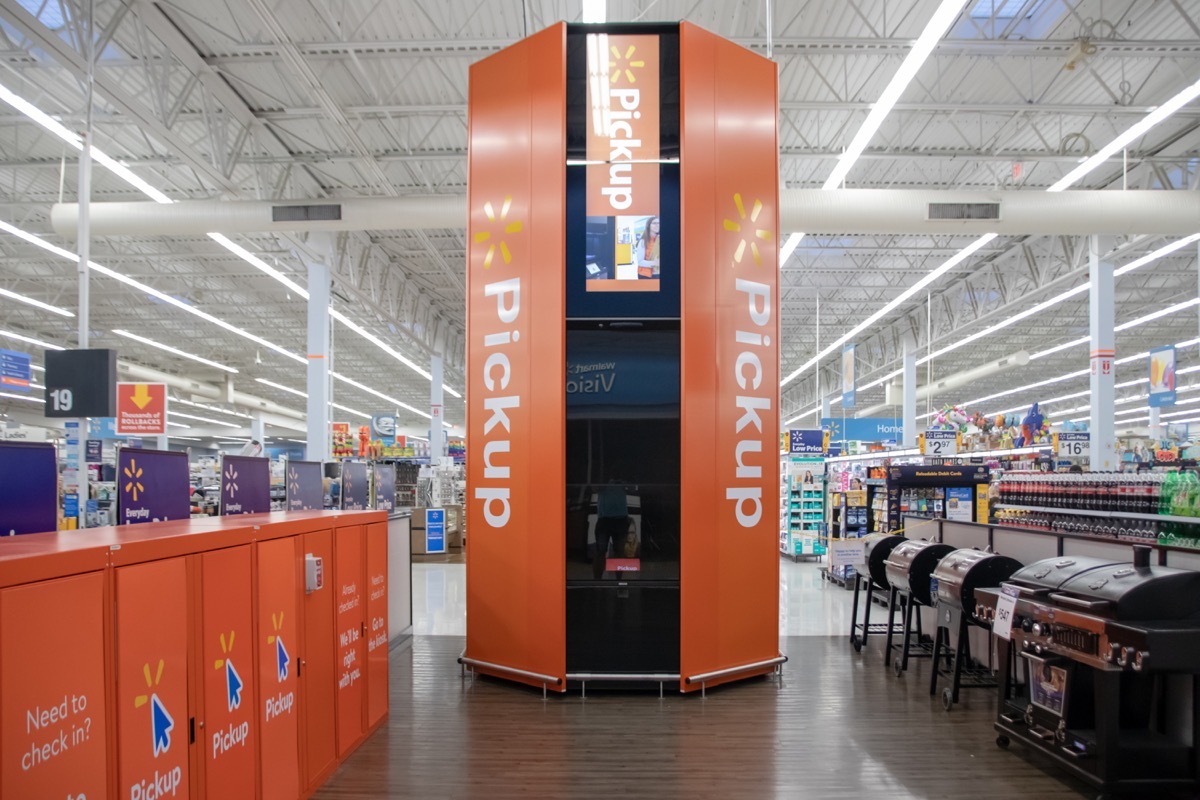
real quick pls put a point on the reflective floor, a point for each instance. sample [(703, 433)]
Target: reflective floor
[(808, 605)]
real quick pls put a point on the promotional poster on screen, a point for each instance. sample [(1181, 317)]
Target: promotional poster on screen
[(28, 488), (624, 247), (245, 485), (385, 487), (305, 489), (152, 486), (355, 486)]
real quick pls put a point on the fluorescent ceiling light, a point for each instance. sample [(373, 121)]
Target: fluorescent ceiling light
[(816, 410), (789, 247), (903, 297), (20, 298), (595, 11), (130, 177), (39, 400), (1130, 135), (187, 438), (171, 424), (205, 419), (30, 340), (174, 350), (380, 395), (937, 26), (281, 387), (349, 410), (211, 408), (1157, 254)]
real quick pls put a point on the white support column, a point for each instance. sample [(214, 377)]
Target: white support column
[(1155, 421), (83, 244), (824, 409), (1103, 454), (437, 431), (908, 403), (318, 361), (161, 442)]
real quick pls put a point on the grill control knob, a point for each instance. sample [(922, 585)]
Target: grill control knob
[(1037, 629), (1027, 624), (1139, 661), (1126, 657), (1114, 650)]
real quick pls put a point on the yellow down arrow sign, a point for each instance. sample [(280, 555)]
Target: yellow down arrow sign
[(141, 395)]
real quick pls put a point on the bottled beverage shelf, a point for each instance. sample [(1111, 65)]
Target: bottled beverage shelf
[(1087, 512)]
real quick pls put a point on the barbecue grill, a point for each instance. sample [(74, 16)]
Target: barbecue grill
[(876, 547), (1099, 641), (909, 568), (956, 577)]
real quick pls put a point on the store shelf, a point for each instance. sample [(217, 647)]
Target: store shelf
[(1087, 512)]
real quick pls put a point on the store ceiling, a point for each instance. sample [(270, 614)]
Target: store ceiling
[(265, 99)]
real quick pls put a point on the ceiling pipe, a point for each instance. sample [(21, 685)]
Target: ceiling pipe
[(849, 211), (952, 382), (215, 393)]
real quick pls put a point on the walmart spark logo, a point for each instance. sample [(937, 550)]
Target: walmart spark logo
[(161, 722), (231, 475), (281, 654), (507, 227), (233, 681), (293, 487), (747, 237), (133, 484), (620, 64)]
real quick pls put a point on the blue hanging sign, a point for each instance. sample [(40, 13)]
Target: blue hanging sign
[(435, 530), (15, 370)]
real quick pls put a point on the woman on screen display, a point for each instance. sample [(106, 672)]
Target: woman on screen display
[(647, 249)]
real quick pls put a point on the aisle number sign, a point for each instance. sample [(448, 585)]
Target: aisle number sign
[(141, 409), (941, 443), (1072, 445)]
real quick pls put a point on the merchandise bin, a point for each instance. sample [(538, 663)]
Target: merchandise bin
[(187, 655)]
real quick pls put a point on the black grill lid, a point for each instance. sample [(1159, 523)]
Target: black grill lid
[(1051, 573), (1133, 593)]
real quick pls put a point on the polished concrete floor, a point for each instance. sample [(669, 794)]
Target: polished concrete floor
[(835, 724)]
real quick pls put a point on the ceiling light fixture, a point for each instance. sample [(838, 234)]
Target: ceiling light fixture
[(281, 387), (20, 298), (20, 337), (174, 350), (205, 419), (38, 400)]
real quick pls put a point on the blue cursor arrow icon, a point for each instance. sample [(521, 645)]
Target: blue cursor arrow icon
[(234, 682), (281, 659), (162, 724)]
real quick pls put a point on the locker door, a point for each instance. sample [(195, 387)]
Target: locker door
[(277, 647), (377, 623), (351, 648), (318, 678)]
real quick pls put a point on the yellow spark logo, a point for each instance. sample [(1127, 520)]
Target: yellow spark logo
[(277, 625), (615, 68), (225, 648), (736, 227), (142, 699), (134, 473), (508, 228)]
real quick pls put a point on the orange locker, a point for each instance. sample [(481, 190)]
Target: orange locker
[(226, 725), (277, 643), (377, 623), (318, 677), (351, 630), (53, 738), (152, 680)]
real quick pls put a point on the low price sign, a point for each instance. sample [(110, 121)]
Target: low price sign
[(141, 409), (941, 443), (1072, 445)]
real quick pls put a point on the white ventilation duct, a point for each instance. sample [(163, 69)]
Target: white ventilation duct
[(207, 390), (811, 210), (951, 382)]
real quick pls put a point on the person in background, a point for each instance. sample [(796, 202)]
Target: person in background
[(1075, 469), (647, 250)]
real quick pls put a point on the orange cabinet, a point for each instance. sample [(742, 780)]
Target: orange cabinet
[(52, 683), (278, 604), (351, 644), (226, 724), (152, 680), (377, 623), (317, 666)]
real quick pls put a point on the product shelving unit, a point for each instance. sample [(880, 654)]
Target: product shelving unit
[(802, 507)]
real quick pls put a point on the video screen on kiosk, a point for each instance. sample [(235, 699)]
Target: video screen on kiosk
[(624, 253)]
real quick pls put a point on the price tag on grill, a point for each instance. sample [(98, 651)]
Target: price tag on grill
[(1006, 608)]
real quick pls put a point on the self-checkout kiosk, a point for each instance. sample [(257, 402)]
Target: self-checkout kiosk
[(622, 424)]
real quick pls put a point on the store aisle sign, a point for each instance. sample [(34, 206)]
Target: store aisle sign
[(152, 486), (28, 488), (141, 409), (864, 429), (81, 383), (22, 433), (941, 443), (15, 370), (1073, 444), (435, 530), (1162, 377)]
